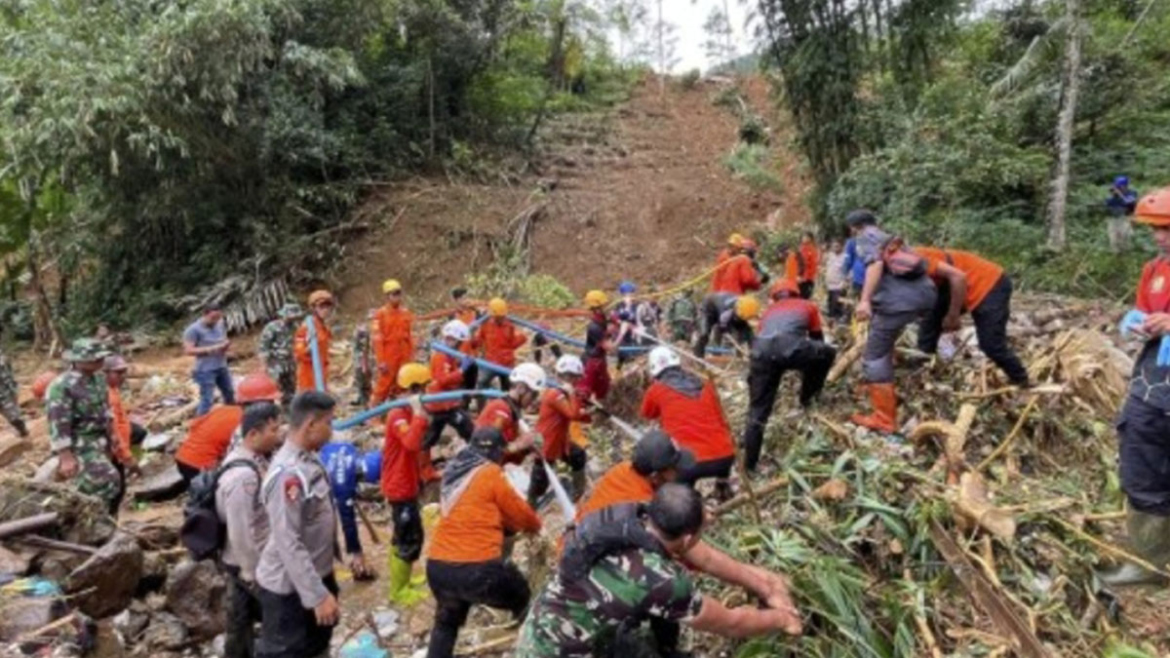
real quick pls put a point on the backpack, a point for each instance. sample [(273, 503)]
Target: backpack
[(203, 532), (901, 262)]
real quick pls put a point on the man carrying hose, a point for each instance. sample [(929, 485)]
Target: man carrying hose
[(447, 373), (499, 339), (314, 334), (560, 407)]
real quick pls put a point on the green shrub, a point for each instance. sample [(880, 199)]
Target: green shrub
[(753, 130), (753, 164), (690, 79)]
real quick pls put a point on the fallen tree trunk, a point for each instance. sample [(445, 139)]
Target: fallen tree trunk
[(28, 524)]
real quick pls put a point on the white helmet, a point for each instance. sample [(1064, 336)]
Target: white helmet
[(570, 365), (457, 330), (662, 358), (529, 374)]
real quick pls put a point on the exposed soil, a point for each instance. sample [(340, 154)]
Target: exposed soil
[(639, 192)]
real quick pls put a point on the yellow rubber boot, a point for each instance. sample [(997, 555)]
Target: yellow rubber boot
[(401, 591)]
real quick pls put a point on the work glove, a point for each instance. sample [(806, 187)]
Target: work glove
[(1164, 352), (1132, 321)]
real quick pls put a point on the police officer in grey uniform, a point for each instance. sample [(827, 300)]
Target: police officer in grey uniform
[(237, 502), (298, 593)]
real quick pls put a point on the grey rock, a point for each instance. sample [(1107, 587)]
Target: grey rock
[(105, 583), (132, 621), (167, 484), (25, 614), (195, 594)]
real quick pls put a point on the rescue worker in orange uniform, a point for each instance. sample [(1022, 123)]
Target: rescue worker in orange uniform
[(897, 292), (969, 283), (406, 428), (810, 258), (689, 410), (790, 338), (1144, 426), (655, 462), (599, 341), (447, 373), (465, 561), (735, 275), (210, 436), (125, 432), (315, 326), (560, 407), (392, 339), (498, 339), (504, 414)]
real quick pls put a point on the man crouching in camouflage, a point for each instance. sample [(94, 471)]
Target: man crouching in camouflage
[(80, 434), (9, 407), (621, 569), (276, 350)]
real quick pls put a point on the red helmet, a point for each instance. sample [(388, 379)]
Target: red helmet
[(782, 286), (41, 383), (257, 387)]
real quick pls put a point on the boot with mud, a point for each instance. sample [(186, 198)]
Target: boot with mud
[(885, 409), (403, 591), (1149, 538)]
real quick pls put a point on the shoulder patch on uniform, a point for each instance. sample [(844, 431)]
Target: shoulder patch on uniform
[(293, 488)]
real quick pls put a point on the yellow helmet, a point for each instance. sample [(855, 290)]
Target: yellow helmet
[(747, 307), (497, 307), (735, 240), (391, 285), (413, 374), (596, 299)]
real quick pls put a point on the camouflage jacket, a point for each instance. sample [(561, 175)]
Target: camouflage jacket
[(276, 344), (582, 618), (78, 412), (7, 379)]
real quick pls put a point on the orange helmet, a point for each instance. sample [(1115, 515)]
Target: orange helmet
[(747, 307), (782, 286), (1154, 209), (41, 384), (257, 387)]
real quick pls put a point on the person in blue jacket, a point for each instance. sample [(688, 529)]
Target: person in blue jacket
[(854, 267), (347, 467)]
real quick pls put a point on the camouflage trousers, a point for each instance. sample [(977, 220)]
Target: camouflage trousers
[(97, 476), (285, 376), (9, 407)]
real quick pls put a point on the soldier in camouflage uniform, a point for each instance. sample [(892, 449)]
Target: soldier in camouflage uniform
[(621, 569), (363, 361), (80, 428), (9, 407), (276, 350)]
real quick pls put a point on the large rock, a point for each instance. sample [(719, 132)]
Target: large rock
[(132, 621), (105, 583), (81, 519), (195, 594), (155, 569)]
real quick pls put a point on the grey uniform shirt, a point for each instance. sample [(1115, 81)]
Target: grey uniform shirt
[(237, 502), (300, 549)]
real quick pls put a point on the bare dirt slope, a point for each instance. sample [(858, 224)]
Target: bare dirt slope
[(639, 192)]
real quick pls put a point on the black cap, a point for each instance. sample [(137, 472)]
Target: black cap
[(860, 217), (656, 451)]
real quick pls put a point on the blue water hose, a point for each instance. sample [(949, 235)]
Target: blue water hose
[(561, 338), (315, 352), (482, 363), (449, 396)]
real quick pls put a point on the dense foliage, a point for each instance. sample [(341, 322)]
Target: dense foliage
[(151, 148), (943, 119)]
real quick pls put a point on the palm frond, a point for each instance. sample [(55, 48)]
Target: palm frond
[(1042, 49)]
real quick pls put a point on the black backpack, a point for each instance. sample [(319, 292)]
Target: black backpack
[(203, 532)]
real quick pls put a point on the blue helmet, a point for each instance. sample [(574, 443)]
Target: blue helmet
[(627, 288), (1121, 181), (372, 466)]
